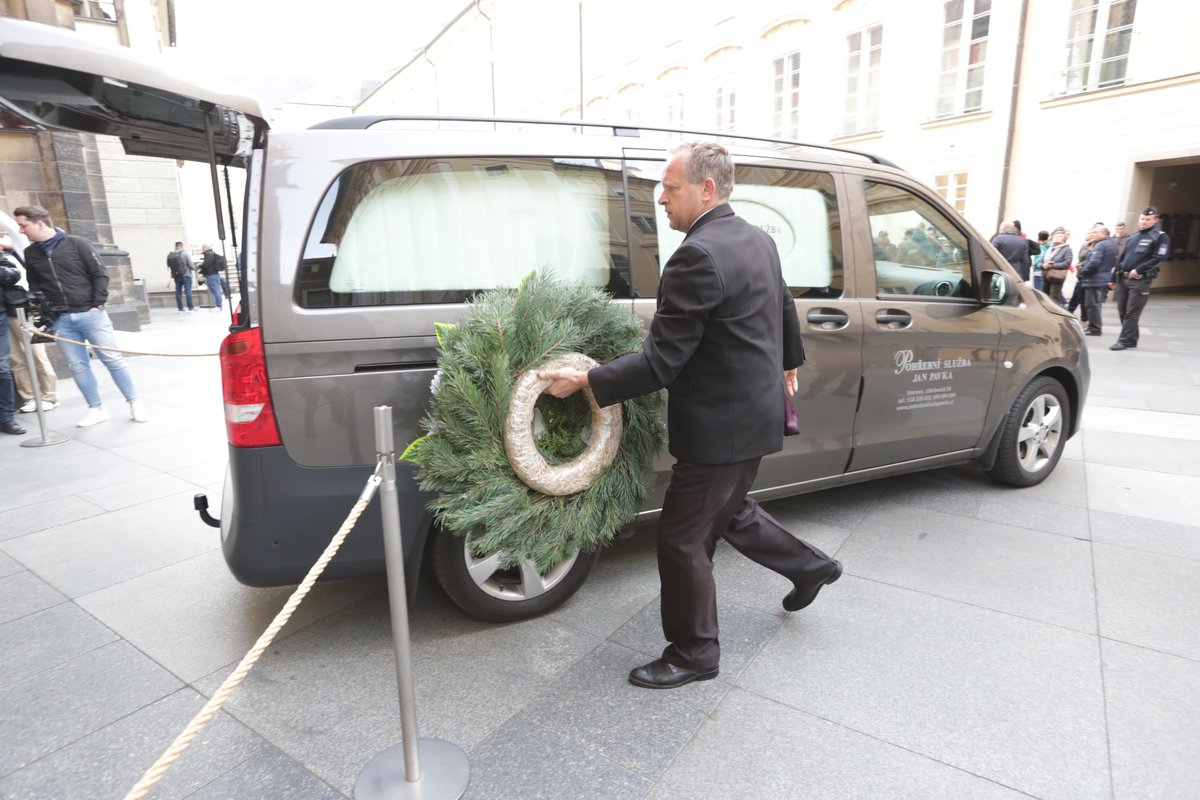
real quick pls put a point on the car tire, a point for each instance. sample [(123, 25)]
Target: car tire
[(483, 590), (1034, 434)]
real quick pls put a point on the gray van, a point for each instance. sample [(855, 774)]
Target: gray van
[(925, 348)]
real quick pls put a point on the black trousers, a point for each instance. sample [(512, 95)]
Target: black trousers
[(704, 503), (1093, 297), (1131, 297)]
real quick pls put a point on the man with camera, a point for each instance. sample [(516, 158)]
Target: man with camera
[(68, 272)]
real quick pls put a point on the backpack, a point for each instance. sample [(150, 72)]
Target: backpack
[(178, 268)]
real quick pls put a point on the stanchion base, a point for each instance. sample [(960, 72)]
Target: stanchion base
[(44, 441), (445, 773)]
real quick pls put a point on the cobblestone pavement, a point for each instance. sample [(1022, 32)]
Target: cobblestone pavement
[(985, 642)]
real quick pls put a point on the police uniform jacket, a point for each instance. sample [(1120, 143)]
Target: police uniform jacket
[(1144, 251), (724, 332)]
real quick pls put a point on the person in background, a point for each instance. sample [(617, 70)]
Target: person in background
[(1120, 239), (1014, 248), (1056, 264), (1035, 269), (179, 263), (1076, 300), (68, 272), (1144, 252), (212, 267), (9, 275), (15, 297), (1094, 275)]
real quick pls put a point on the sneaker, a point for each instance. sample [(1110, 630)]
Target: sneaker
[(214, 308), (94, 415), (30, 406), (137, 411)]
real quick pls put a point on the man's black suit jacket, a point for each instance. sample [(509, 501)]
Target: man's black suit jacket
[(725, 330)]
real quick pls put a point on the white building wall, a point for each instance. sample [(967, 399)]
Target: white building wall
[(1074, 159)]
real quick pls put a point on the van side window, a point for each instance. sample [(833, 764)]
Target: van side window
[(419, 231), (798, 208), (918, 250)]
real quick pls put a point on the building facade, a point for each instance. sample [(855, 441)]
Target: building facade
[(129, 207), (1052, 112)]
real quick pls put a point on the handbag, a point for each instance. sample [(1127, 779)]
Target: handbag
[(791, 425)]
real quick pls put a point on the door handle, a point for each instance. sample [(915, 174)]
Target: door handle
[(828, 319), (892, 319)]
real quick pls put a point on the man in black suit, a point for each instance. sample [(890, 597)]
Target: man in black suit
[(725, 343)]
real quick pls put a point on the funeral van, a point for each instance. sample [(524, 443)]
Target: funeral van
[(361, 234)]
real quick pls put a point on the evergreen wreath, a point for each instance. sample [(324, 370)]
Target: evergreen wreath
[(501, 334)]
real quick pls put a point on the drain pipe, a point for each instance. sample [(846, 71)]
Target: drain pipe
[(1012, 116)]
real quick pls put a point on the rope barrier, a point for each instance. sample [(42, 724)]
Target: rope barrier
[(36, 332), (172, 753)]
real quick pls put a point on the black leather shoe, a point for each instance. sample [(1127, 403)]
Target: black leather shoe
[(797, 599), (1118, 346), (1092, 333), (659, 674), (11, 427)]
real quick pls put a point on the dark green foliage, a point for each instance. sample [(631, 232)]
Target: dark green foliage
[(500, 335)]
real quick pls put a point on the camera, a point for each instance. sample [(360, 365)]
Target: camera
[(42, 314)]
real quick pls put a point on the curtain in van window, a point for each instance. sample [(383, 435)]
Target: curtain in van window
[(476, 227), (795, 218)]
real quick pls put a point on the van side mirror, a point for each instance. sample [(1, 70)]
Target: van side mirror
[(995, 287)]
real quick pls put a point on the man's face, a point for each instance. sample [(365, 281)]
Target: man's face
[(34, 231), (1146, 221), (1120, 229), (683, 201)]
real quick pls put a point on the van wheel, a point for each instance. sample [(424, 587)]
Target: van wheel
[(480, 587), (1034, 434)]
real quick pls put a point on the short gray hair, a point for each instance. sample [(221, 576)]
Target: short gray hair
[(708, 160)]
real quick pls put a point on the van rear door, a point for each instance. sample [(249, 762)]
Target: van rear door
[(55, 79)]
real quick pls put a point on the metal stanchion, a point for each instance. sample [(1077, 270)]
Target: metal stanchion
[(397, 771), (27, 344)]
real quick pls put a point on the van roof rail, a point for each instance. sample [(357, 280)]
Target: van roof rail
[(364, 121)]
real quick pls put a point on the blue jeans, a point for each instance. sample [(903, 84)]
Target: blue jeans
[(7, 389), (96, 328), (213, 282), (183, 285)]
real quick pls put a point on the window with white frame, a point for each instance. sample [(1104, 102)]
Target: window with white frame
[(673, 106), (630, 99), (726, 106), (787, 96), (1098, 37), (864, 59), (964, 53), (103, 10), (952, 186)]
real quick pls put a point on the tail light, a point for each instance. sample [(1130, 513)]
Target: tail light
[(249, 415)]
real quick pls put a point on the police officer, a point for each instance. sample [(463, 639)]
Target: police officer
[(1144, 251)]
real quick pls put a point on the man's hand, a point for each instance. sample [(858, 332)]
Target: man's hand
[(790, 383), (1133, 273), (566, 381)]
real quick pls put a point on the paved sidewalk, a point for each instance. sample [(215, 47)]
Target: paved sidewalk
[(985, 642)]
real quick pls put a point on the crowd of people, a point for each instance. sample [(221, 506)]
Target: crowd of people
[(62, 277), (1107, 261)]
